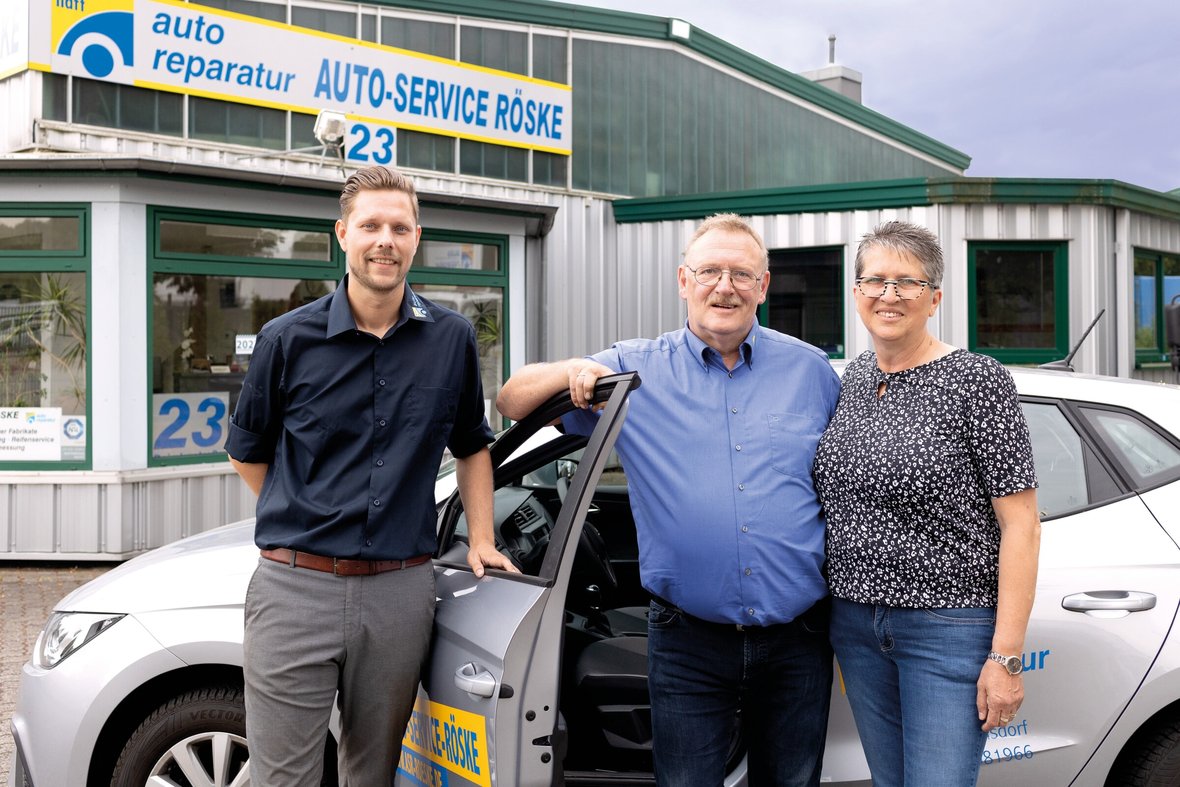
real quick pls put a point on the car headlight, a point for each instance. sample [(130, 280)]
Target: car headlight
[(66, 632)]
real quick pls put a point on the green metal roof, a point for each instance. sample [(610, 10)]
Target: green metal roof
[(625, 23), (902, 193)]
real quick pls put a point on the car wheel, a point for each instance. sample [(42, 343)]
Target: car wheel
[(1152, 759), (197, 739)]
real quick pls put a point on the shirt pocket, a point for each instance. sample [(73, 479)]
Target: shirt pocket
[(435, 409), (793, 439)]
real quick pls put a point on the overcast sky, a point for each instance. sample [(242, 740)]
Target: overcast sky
[(1026, 88)]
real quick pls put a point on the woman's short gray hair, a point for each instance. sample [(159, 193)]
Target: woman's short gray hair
[(902, 237)]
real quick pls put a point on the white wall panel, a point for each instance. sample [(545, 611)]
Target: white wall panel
[(79, 519)]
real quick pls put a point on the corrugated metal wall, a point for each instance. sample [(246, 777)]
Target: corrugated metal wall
[(598, 290), (100, 516)]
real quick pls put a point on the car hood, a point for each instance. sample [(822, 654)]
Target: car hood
[(208, 570)]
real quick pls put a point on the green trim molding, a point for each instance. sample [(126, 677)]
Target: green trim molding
[(906, 192)]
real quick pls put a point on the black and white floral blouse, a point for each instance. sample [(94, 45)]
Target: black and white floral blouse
[(906, 481)]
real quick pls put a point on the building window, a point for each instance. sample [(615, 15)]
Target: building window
[(1018, 297), (276, 12), (216, 239), (806, 296), (216, 280), (550, 169), (417, 35), (425, 151), (550, 58), (55, 96), (125, 107), (505, 50), (342, 23), (236, 124), (465, 272), (44, 330), (40, 233), (1157, 283), (493, 161)]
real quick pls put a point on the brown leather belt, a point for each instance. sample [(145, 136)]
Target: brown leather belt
[(341, 567)]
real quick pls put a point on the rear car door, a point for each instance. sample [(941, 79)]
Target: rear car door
[(1106, 597), (487, 711)]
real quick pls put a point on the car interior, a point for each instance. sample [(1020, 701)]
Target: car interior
[(604, 696)]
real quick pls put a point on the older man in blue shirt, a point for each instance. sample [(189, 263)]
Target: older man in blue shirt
[(718, 448)]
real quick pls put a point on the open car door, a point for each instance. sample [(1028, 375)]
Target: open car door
[(487, 711)]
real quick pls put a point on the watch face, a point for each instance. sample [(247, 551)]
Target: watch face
[(1013, 665)]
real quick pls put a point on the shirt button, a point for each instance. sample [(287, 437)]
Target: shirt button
[(368, 543), (745, 528), (381, 463), (737, 447), (731, 375), (376, 503), (748, 572), (381, 422), (750, 611), (741, 487), (733, 410), (380, 382)]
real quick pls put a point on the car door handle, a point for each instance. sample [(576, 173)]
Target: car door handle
[(1109, 601), (475, 681)]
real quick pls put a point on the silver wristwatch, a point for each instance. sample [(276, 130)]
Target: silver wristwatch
[(1011, 663)]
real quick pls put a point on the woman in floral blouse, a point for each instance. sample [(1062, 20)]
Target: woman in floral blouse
[(926, 477)]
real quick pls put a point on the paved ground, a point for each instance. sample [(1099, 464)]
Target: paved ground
[(28, 592)]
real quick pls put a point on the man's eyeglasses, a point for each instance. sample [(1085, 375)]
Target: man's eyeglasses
[(741, 280), (906, 289)]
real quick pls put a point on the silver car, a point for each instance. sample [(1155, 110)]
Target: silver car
[(539, 678)]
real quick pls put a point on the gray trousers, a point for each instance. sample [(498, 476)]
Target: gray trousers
[(312, 636)]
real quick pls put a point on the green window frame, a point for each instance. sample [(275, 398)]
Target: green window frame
[(491, 327), (75, 260), (162, 262), (795, 308), (1156, 281), (1058, 309)]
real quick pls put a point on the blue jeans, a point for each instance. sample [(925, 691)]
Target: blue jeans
[(911, 679), (701, 674)]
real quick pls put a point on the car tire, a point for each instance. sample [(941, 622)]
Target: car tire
[(181, 735), (1152, 759)]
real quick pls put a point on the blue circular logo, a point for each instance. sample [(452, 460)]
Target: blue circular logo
[(73, 428)]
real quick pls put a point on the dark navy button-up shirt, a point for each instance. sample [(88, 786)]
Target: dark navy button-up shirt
[(353, 426), (719, 472)]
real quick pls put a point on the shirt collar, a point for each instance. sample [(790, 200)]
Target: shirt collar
[(340, 317), (702, 352)]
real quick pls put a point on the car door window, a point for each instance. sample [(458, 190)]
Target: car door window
[(1144, 452), (1068, 471)]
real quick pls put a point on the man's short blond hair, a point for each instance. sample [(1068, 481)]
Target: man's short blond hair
[(376, 179)]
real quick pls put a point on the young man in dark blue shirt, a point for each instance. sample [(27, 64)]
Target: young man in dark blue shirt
[(340, 427)]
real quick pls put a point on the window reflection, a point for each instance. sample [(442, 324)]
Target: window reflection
[(1016, 299), (484, 307), (203, 332), (43, 356), (39, 233), (231, 240)]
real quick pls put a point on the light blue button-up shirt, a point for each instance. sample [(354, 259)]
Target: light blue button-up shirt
[(718, 467)]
